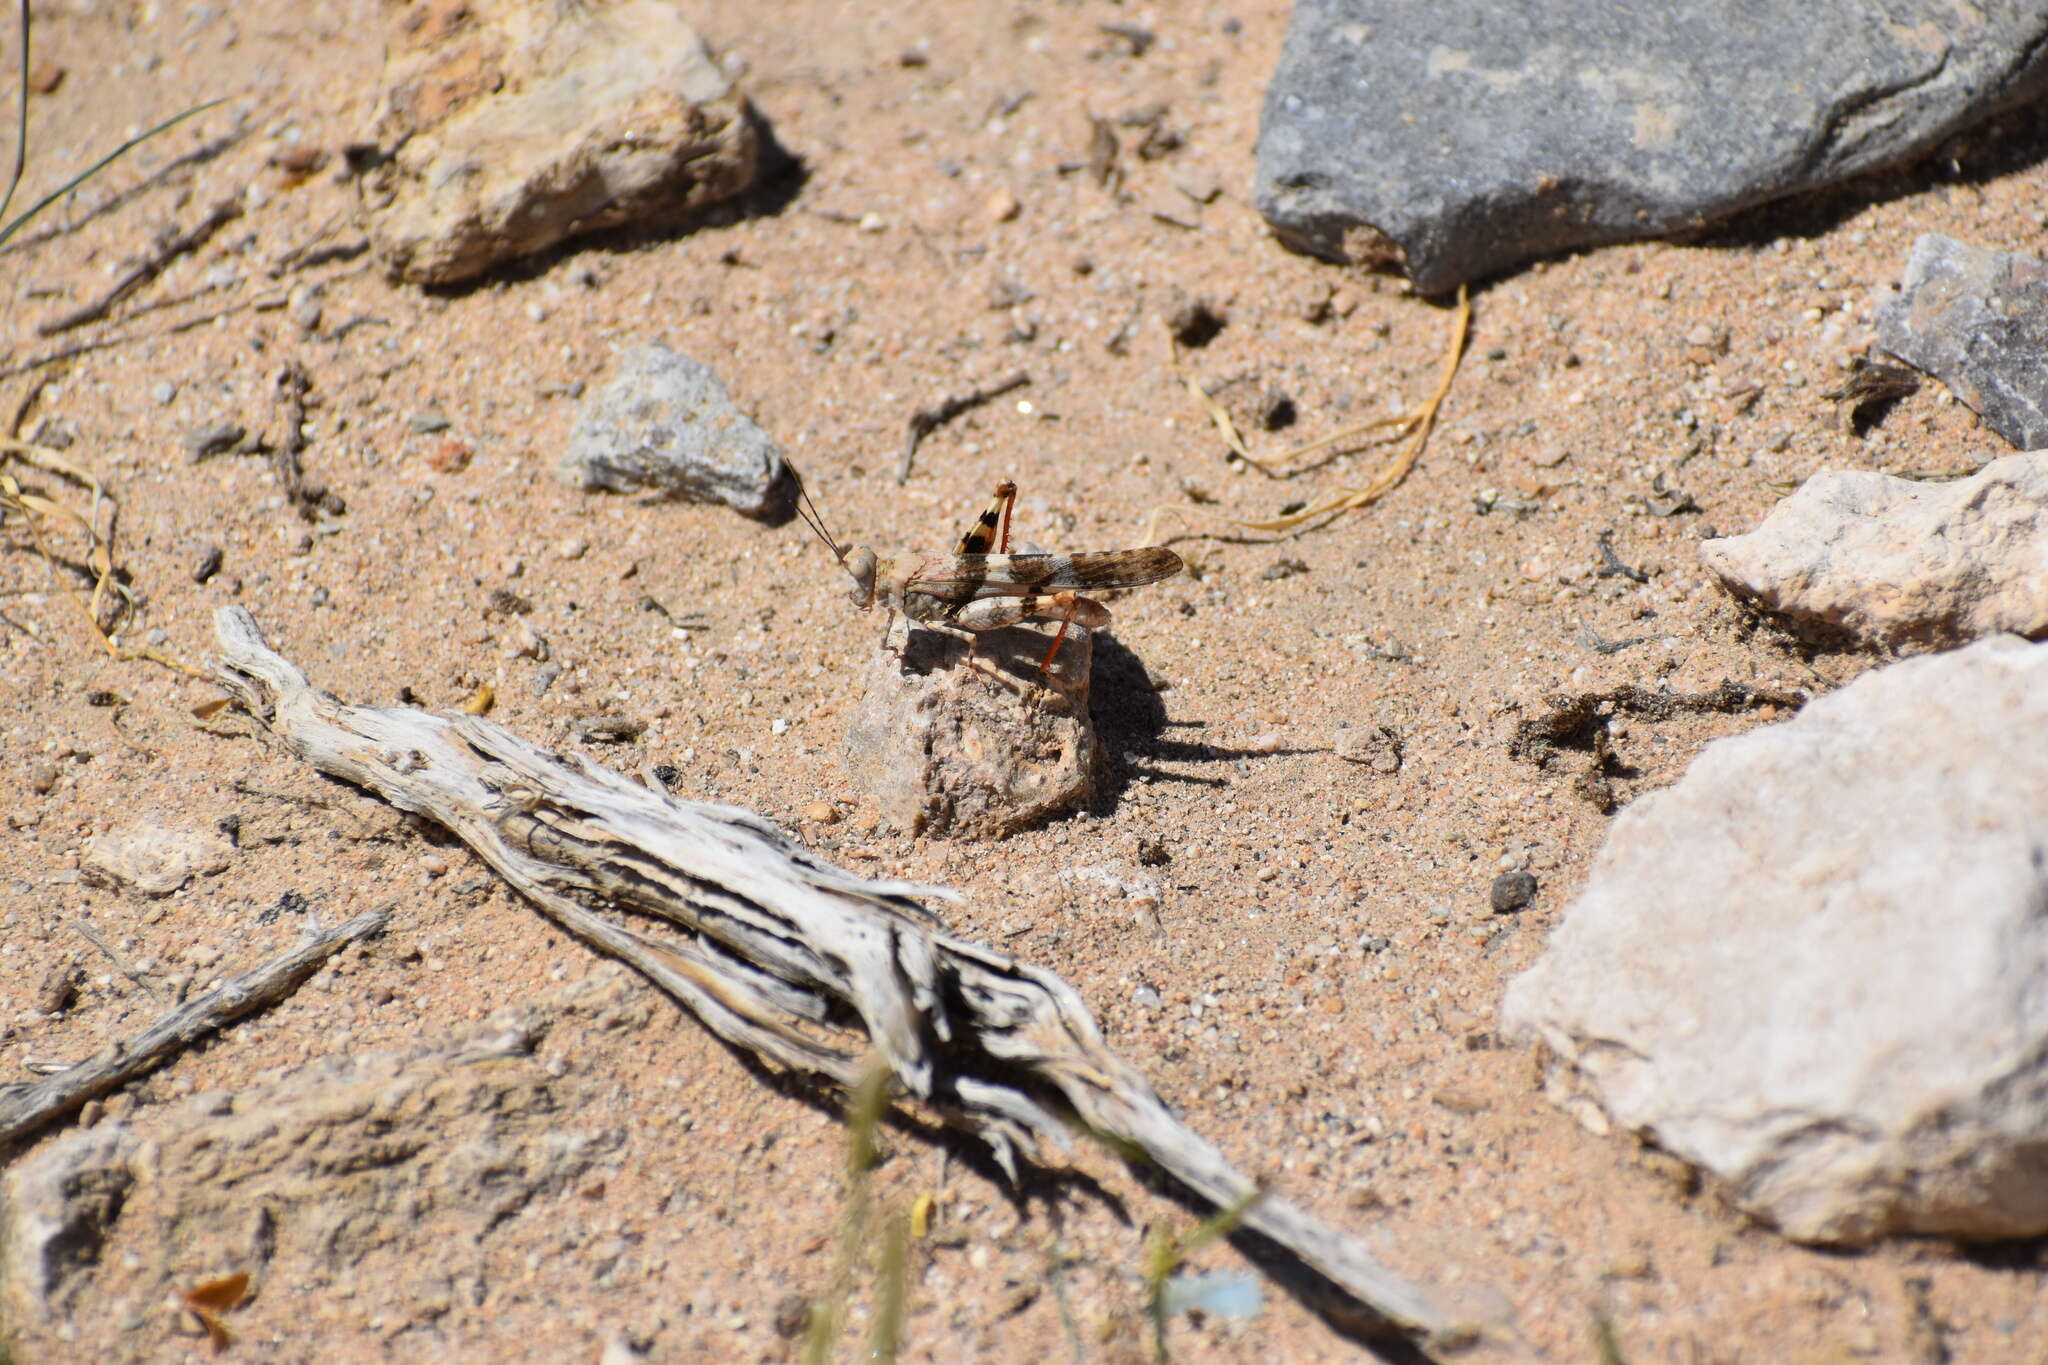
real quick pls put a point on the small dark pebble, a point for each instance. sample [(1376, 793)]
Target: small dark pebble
[(230, 827), (216, 439), (290, 903), (508, 603), (608, 729), (792, 1316), (98, 697), (1512, 891), (1284, 568), (1276, 410), (1195, 322), (668, 774), (1153, 853), (208, 563)]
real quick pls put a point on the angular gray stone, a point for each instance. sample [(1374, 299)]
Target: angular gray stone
[(1463, 137), (944, 749), (1977, 320), (1890, 562), (1817, 966), (667, 424), (519, 124)]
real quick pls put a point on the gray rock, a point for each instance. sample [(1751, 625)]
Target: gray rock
[(1891, 562), (945, 749), (1461, 138), (156, 858), (666, 423), (1977, 320), (526, 124), (1817, 966)]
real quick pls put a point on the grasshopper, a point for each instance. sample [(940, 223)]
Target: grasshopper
[(982, 586)]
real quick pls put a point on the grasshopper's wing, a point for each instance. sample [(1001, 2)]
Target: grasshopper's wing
[(966, 577)]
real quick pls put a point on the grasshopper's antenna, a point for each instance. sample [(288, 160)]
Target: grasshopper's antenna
[(808, 510)]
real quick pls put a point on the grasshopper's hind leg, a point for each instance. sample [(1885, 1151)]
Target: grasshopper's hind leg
[(990, 533)]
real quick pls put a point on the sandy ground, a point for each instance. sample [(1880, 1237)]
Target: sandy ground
[(1323, 954)]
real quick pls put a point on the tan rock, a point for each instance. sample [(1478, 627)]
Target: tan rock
[(1893, 562), (945, 749), (519, 123), (155, 858)]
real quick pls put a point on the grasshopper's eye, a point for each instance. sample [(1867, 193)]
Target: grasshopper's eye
[(860, 562)]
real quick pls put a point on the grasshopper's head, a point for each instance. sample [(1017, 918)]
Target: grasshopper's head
[(860, 562)]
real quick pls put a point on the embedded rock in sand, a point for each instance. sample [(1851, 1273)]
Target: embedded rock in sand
[(1895, 561), (1817, 966), (945, 749), (1977, 320), (517, 125)]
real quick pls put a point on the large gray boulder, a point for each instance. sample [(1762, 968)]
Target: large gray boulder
[(1460, 138)]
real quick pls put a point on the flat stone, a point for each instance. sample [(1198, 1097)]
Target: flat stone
[(666, 424), (519, 124), (1817, 965), (944, 749), (1892, 562), (1456, 139), (156, 858), (1977, 320)]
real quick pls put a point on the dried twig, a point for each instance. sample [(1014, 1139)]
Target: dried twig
[(266, 303), (121, 964), (292, 386), (178, 244), (198, 156), (23, 1108), (776, 952), (925, 421), (1416, 425)]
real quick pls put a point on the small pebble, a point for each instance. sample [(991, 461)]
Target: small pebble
[(1146, 996), (821, 813), (544, 678), (433, 864), (1512, 891), (163, 391), (207, 564), (1003, 206), (574, 548), (449, 457), (217, 438), (428, 421), (43, 777)]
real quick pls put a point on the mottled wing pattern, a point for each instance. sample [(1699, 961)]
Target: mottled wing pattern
[(968, 576)]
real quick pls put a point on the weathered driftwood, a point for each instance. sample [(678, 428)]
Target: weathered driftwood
[(784, 955), (25, 1107)]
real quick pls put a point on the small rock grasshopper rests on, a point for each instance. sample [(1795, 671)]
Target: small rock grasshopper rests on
[(974, 590)]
